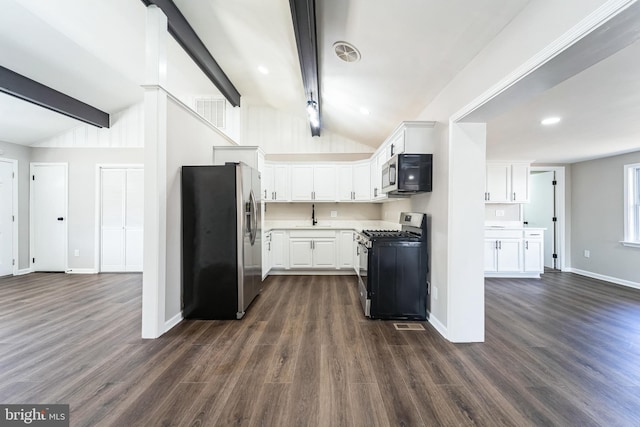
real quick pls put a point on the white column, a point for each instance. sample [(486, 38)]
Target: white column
[(155, 175), (467, 160)]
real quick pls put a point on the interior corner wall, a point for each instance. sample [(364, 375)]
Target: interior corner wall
[(598, 219), (435, 205), (22, 154), (82, 164), (190, 141)]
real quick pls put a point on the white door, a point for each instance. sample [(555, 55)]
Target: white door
[(122, 212), (49, 216), (540, 211), (6, 217)]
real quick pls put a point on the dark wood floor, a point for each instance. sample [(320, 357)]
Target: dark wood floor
[(560, 351)]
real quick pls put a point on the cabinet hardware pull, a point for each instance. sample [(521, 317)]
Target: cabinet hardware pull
[(265, 194), (526, 244), (488, 196), (496, 245), (500, 244), (514, 195)]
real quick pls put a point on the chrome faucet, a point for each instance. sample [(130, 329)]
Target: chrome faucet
[(314, 221)]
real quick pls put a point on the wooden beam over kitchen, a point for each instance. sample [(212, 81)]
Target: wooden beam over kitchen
[(22, 87), (186, 37)]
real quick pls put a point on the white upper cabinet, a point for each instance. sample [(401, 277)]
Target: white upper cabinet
[(354, 182), (507, 182), (313, 183), (276, 183), (376, 176)]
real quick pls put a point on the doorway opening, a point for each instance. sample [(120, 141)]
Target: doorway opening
[(8, 217), (546, 209)]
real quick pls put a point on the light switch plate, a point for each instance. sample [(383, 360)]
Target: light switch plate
[(334, 214)]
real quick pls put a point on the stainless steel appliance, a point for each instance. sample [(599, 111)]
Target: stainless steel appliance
[(393, 273), (221, 244), (406, 174)]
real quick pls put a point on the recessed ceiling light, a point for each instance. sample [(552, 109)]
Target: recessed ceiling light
[(364, 111), (550, 121), (263, 69)]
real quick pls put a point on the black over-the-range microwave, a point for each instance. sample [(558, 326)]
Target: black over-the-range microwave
[(407, 174)]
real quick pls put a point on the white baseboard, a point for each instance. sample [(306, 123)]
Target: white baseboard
[(172, 322), (438, 325), (24, 271), (598, 276), (81, 271)]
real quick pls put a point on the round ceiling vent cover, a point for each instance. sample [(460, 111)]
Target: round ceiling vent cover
[(347, 52)]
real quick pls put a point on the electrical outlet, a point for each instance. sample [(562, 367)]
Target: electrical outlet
[(334, 214), (435, 292), (499, 212), (76, 252), (587, 253)]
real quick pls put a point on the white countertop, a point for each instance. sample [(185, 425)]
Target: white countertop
[(518, 228), (330, 225)]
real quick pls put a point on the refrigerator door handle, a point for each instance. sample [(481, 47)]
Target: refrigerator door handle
[(253, 218)]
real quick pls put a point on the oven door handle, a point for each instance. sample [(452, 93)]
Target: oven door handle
[(392, 174)]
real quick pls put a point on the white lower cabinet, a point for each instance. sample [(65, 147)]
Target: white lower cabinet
[(513, 253), (307, 252), (279, 250), (266, 254), (533, 251), (345, 249)]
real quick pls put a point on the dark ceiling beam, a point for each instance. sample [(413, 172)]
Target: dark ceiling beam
[(22, 87), (303, 13), (186, 37)]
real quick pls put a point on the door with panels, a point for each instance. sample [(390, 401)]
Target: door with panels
[(7, 182), (121, 219)]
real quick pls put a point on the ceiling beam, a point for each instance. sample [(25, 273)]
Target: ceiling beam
[(303, 13), (186, 37), (22, 87)]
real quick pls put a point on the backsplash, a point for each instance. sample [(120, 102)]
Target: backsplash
[(501, 212), (344, 211), (392, 208)]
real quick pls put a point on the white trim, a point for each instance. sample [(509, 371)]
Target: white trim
[(81, 271), (630, 244), (98, 207), (573, 35), (497, 275), (24, 271), (616, 280), (189, 110), (15, 253), (629, 200), (433, 320), (173, 322), (66, 212)]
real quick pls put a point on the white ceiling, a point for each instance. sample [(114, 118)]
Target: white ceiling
[(94, 51)]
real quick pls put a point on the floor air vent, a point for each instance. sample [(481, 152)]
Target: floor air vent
[(408, 327)]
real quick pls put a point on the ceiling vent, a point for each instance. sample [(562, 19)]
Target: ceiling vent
[(346, 51)]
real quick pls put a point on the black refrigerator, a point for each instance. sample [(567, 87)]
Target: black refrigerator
[(221, 240)]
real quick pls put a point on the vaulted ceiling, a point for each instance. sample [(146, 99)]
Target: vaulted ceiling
[(94, 51)]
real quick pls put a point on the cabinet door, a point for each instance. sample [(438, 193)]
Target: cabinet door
[(376, 177), (498, 186), (324, 253), (301, 182), (324, 183), (278, 250), (281, 183), (266, 182), (266, 254), (361, 182), (490, 255), (345, 253), (510, 255), (300, 253), (534, 255), (397, 145), (345, 183), (520, 182)]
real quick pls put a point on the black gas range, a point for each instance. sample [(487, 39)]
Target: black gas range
[(393, 270)]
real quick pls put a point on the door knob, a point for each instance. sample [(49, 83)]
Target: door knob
[(60, 218)]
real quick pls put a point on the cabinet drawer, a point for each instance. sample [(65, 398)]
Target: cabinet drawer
[(503, 234), (533, 234), (312, 233)]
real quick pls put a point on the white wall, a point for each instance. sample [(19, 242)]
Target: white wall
[(302, 211), (277, 132), (23, 155), (82, 194), (598, 220)]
